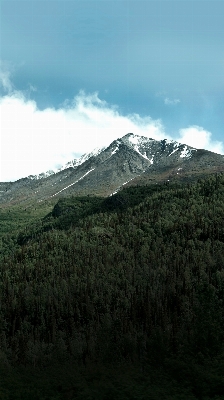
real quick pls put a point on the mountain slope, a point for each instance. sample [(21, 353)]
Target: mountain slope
[(129, 160), (139, 287)]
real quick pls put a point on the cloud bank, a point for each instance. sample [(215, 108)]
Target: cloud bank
[(199, 138), (35, 141)]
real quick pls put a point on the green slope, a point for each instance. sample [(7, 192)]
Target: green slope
[(117, 298)]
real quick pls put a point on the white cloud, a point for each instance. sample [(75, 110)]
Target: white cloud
[(34, 141), (169, 102), (199, 138)]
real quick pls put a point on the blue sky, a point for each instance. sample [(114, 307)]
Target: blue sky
[(75, 75)]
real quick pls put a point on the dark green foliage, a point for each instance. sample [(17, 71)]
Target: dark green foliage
[(134, 281), (67, 212)]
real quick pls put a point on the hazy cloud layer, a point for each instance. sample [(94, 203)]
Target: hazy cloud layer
[(5, 81), (170, 102), (34, 141)]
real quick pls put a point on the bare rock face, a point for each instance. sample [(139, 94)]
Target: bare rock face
[(129, 160)]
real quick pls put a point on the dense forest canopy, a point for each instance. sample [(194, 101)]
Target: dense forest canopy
[(134, 279)]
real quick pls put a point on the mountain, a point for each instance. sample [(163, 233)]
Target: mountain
[(130, 160)]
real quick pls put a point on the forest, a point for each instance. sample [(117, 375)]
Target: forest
[(115, 298)]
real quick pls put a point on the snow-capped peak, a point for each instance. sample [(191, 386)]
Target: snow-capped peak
[(138, 143), (78, 161), (147, 148), (86, 156), (134, 139), (71, 164)]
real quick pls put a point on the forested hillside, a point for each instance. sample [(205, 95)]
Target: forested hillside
[(117, 298)]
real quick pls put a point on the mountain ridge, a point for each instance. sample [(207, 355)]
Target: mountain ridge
[(129, 160)]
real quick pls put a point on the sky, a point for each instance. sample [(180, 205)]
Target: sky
[(78, 74)]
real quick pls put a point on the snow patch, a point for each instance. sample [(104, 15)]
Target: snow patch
[(134, 139), (86, 156), (143, 155), (151, 160), (117, 190), (115, 150), (170, 141), (185, 152), (73, 183), (42, 175), (173, 152), (77, 162), (127, 181), (114, 192)]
